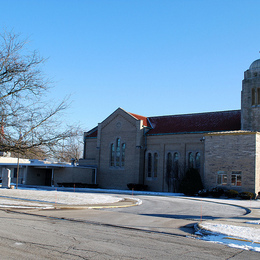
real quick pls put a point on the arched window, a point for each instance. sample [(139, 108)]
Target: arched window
[(155, 164), (176, 165), (149, 168), (190, 160), (197, 161), (253, 97), (169, 163), (258, 96), (118, 152), (123, 155), (112, 155), (152, 164)]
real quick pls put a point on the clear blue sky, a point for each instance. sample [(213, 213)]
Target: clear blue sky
[(150, 57)]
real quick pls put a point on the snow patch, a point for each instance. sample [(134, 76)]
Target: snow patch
[(246, 238)]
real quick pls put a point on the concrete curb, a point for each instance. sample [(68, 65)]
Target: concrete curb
[(126, 202)]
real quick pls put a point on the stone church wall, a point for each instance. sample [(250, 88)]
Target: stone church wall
[(90, 153), (257, 169), (129, 130), (230, 152), (183, 144), (250, 109)]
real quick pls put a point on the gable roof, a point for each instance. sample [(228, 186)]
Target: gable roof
[(94, 132), (91, 133), (190, 123)]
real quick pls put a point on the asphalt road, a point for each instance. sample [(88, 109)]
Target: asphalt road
[(181, 208), (160, 228)]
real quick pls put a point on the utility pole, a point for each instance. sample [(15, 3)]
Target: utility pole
[(17, 175)]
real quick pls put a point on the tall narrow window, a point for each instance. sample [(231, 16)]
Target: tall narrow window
[(118, 152), (169, 164), (155, 164), (176, 165), (152, 164), (191, 160), (123, 155), (253, 97), (197, 161), (112, 155), (149, 172), (169, 168), (258, 96)]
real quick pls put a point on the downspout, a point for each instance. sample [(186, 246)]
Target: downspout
[(84, 151)]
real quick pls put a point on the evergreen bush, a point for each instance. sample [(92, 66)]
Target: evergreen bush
[(191, 183), (136, 186), (216, 192), (231, 194), (203, 193), (246, 195)]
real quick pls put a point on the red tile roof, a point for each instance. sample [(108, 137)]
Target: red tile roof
[(202, 122), (145, 121), (189, 123), (92, 133)]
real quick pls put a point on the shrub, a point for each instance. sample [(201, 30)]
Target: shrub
[(231, 193), (136, 186), (191, 183), (77, 185), (216, 192), (246, 195), (203, 193)]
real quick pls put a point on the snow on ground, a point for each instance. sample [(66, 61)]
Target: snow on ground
[(36, 196), (257, 222), (234, 236), (243, 237), (246, 233), (7, 203)]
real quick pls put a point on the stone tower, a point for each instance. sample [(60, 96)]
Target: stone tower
[(250, 98)]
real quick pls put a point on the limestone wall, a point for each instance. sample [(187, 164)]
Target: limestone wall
[(250, 112), (90, 152), (229, 152), (257, 168), (181, 143), (130, 132)]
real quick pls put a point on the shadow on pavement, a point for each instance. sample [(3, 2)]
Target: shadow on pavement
[(180, 216)]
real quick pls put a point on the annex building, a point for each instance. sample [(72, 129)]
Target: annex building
[(157, 151)]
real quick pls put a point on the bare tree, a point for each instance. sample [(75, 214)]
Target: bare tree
[(30, 125), (71, 148)]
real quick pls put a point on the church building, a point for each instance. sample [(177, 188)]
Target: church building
[(157, 151)]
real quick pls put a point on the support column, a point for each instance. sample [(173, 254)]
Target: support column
[(6, 178), (52, 177)]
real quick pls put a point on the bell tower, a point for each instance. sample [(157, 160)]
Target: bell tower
[(250, 98)]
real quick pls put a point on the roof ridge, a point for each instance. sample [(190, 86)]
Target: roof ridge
[(192, 114)]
